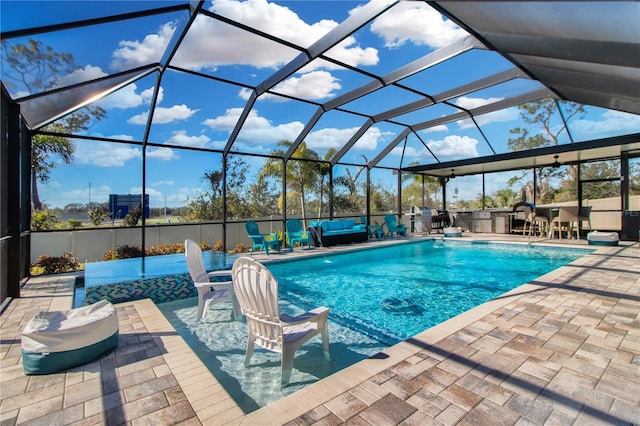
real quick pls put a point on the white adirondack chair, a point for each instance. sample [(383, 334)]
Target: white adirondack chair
[(208, 292), (257, 291)]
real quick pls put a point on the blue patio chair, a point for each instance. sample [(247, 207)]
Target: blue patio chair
[(375, 230), (261, 241), (297, 234), (394, 227)]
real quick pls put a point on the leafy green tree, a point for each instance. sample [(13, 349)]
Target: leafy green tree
[(98, 215), (416, 193), (237, 206), (540, 132), (75, 208), (263, 199), (132, 217), (301, 175), (382, 198), (349, 198), (43, 220), (505, 197), (37, 68), (634, 177), (208, 204)]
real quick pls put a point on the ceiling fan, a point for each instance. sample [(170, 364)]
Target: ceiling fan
[(556, 164), (452, 175)]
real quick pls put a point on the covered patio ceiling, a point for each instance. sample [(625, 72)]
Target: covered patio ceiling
[(582, 52)]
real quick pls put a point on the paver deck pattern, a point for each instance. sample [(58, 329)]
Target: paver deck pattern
[(562, 350)]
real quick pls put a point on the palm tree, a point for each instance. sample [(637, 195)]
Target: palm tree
[(324, 170), (301, 175)]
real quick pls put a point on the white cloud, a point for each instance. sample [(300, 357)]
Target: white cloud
[(502, 115), (256, 130), (327, 138), (133, 53), (86, 73), (369, 141), (163, 183), (121, 136), (612, 123), (105, 154), (127, 97), (471, 103), (156, 198), (312, 85), (411, 153), (438, 128), (164, 154), (198, 51), (97, 194), (454, 146), (274, 19), (164, 115), (418, 23), (181, 138)]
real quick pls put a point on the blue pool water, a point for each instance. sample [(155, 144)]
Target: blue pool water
[(377, 298), (395, 293)]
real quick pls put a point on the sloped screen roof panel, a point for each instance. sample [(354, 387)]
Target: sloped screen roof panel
[(563, 43)]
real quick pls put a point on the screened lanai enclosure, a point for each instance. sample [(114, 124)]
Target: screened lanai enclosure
[(145, 123)]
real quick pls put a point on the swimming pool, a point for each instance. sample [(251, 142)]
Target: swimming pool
[(377, 297)]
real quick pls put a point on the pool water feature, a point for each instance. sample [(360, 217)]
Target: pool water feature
[(377, 296), (160, 278)]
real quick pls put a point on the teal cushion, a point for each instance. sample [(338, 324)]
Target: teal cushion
[(335, 225), (348, 223)]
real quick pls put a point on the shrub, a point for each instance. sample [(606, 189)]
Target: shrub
[(241, 248), (127, 251), (55, 264), (74, 223), (132, 218), (165, 249), (98, 215), (123, 252), (43, 220)]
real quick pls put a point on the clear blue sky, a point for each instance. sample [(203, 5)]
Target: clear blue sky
[(201, 113)]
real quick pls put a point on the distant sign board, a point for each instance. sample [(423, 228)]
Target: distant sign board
[(120, 204)]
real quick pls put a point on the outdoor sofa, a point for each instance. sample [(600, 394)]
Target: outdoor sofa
[(334, 232)]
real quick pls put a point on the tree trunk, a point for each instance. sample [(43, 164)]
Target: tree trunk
[(35, 197), (304, 217), (321, 196)]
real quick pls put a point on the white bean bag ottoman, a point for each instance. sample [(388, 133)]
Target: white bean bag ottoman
[(597, 238), (452, 231), (59, 340)]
